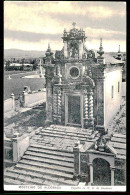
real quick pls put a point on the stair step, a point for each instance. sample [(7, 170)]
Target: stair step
[(69, 129), (53, 135), (23, 178), (54, 173), (49, 156), (57, 153), (49, 161), (46, 166), (10, 181), (47, 178), (52, 149), (66, 133)]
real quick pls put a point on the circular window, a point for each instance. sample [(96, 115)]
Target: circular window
[(74, 72)]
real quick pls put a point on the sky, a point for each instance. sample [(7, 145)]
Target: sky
[(31, 25)]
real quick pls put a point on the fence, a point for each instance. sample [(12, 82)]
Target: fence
[(9, 104)]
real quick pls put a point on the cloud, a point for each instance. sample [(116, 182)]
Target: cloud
[(33, 23), (30, 36)]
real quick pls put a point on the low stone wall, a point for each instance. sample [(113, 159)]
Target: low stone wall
[(20, 145), (9, 104), (15, 147), (33, 98)]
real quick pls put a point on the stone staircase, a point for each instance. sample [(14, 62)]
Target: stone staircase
[(61, 137), (49, 160), (42, 165)]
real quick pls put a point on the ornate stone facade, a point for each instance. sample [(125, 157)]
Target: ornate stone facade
[(75, 82)]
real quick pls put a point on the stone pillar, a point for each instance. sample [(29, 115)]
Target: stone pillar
[(24, 94), (13, 101), (91, 119), (112, 175), (59, 105), (49, 100), (91, 173), (55, 106), (65, 49), (86, 109), (100, 101), (76, 161)]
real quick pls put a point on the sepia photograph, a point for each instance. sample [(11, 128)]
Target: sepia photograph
[(64, 96)]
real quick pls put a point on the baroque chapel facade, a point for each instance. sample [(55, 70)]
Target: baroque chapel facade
[(82, 89)]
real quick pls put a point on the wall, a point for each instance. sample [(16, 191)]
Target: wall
[(9, 105), (123, 89), (34, 98), (112, 105)]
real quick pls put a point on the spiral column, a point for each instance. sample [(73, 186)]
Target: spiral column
[(91, 119), (59, 105), (55, 99), (86, 108)]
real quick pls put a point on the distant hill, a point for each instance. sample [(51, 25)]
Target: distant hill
[(17, 53)]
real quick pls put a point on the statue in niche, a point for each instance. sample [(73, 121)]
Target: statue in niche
[(74, 50)]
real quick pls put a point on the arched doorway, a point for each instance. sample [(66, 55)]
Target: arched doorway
[(101, 172)]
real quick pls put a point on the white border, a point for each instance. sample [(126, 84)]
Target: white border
[(64, 188)]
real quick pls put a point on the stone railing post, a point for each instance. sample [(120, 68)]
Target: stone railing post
[(20, 145), (24, 94), (13, 101), (76, 161)]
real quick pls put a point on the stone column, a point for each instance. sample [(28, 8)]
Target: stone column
[(91, 173), (112, 175), (86, 109), (91, 119), (59, 105), (55, 109), (49, 96), (13, 101)]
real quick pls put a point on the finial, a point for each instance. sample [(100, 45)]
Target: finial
[(73, 24), (100, 42), (48, 45), (119, 49), (100, 52)]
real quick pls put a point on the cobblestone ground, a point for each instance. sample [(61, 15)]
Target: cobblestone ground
[(118, 124)]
